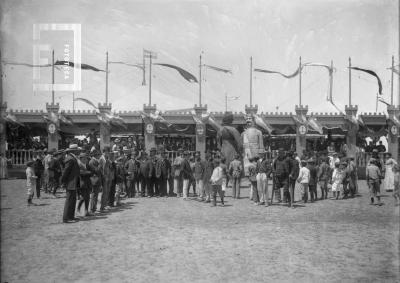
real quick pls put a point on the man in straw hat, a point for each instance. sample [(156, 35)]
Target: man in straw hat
[(70, 179)]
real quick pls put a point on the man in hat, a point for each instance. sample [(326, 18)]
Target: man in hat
[(70, 179), (294, 168), (280, 169), (198, 173), (131, 170), (149, 173), (312, 184), (106, 171), (162, 173), (177, 171), (373, 176), (235, 172), (264, 170), (95, 179), (186, 174), (85, 186), (39, 169), (54, 171)]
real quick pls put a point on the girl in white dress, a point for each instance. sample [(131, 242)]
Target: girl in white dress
[(337, 180), (389, 176)]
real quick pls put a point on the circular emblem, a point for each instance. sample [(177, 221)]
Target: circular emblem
[(393, 130), (200, 130), (149, 128), (51, 128), (302, 130)]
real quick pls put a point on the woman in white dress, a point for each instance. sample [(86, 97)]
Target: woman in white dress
[(389, 175)]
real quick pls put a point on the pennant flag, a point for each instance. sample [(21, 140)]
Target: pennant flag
[(65, 119), (315, 125), (197, 120), (185, 74), (25, 64), (394, 70), (381, 99), (218, 69), (127, 64), (371, 73), (83, 66), (330, 70), (87, 101), (279, 73), (396, 121), (157, 117), (261, 123), (11, 118)]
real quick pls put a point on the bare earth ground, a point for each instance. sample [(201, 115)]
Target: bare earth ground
[(172, 240)]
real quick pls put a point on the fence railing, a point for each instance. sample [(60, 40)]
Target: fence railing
[(19, 157)]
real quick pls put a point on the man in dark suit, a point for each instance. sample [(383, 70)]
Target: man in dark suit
[(70, 179), (162, 173)]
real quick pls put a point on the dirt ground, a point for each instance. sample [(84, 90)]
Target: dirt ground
[(172, 240)]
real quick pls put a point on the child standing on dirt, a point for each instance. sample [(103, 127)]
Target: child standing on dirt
[(374, 177), (253, 180), (30, 181), (304, 180), (396, 189), (337, 181), (216, 183)]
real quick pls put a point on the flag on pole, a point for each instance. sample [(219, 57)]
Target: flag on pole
[(261, 123), (330, 70), (279, 73), (140, 66), (218, 69), (87, 101), (185, 74), (83, 66), (315, 125), (372, 73)]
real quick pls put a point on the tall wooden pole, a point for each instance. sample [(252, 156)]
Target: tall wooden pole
[(200, 80), (300, 81), (251, 81), (150, 80), (107, 77), (349, 81), (331, 82), (144, 70), (226, 102), (52, 77), (391, 82)]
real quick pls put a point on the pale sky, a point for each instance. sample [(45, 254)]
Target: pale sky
[(274, 32)]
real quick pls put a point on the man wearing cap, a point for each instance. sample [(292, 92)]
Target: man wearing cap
[(95, 179), (149, 173), (38, 168), (177, 171), (198, 173), (280, 169), (70, 179), (294, 168)]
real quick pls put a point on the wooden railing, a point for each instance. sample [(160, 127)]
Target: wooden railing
[(20, 157)]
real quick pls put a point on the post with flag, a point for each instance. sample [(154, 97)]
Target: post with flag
[(349, 81), (53, 125), (352, 130), (200, 82), (300, 67), (3, 108), (200, 129), (106, 77), (394, 128), (391, 82), (301, 128), (105, 128)]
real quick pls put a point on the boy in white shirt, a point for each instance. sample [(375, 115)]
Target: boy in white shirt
[(30, 181), (304, 179), (216, 183)]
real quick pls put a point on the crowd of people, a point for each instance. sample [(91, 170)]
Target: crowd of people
[(98, 181)]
